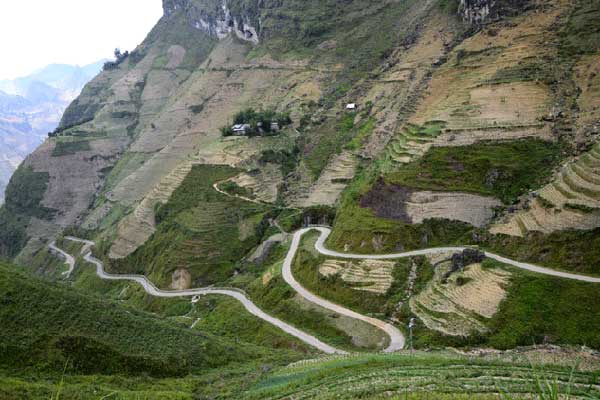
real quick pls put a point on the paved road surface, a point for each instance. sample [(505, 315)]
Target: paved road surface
[(325, 232), (397, 340), (151, 289), (69, 259)]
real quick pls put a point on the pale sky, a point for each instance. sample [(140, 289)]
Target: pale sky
[(35, 33)]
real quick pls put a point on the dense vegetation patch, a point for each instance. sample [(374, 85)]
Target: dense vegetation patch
[(45, 326), (577, 251), (581, 35), (288, 160), (13, 236), (504, 170), (235, 189), (542, 309), (67, 148), (258, 122), (26, 191)]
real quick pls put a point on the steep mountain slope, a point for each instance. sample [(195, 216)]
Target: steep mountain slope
[(129, 140), (32, 106), (487, 125), (475, 125), (462, 118)]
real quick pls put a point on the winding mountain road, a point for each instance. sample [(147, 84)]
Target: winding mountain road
[(325, 232), (397, 339), (152, 290), (69, 259)]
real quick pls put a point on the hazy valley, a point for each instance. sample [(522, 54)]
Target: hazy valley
[(31, 107)]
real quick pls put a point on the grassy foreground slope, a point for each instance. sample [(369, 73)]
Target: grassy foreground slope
[(415, 376), (46, 326)]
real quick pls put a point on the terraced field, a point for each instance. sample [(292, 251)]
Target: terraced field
[(263, 184), (570, 201), (334, 179), (136, 229), (460, 306), (414, 376), (413, 142), (369, 275)]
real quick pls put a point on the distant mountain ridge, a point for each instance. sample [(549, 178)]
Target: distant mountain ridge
[(68, 79), (31, 106)]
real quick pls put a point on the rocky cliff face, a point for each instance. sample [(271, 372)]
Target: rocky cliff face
[(218, 18), (477, 12)]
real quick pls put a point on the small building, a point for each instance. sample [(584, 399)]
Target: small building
[(241, 129), (351, 106)]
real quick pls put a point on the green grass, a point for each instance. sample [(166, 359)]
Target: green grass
[(227, 318), (545, 309), (326, 140), (45, 326), (24, 195), (235, 189), (288, 160), (363, 132), (576, 251), (504, 170), (416, 376), (581, 34), (357, 227), (13, 235), (71, 147), (278, 299), (26, 191), (526, 72), (581, 208), (192, 228)]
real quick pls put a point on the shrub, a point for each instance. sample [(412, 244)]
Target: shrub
[(259, 121)]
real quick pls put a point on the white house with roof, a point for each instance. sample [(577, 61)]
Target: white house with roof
[(241, 129)]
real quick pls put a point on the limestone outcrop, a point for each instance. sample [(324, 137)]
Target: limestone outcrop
[(218, 18)]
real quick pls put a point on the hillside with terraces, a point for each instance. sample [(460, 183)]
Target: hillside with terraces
[(438, 239)]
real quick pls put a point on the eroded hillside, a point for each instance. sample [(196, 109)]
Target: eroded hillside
[(475, 124), (402, 124), (443, 84)]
